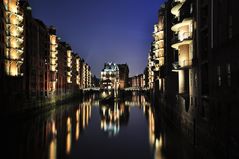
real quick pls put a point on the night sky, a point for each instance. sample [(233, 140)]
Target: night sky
[(103, 30)]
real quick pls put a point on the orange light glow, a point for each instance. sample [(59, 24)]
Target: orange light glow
[(68, 136)]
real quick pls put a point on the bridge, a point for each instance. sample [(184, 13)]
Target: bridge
[(129, 89), (91, 89), (136, 89)]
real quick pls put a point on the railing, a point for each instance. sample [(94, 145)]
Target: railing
[(9, 46), (175, 66), (181, 37), (182, 64), (18, 52), (185, 63), (9, 58), (181, 1), (185, 36)]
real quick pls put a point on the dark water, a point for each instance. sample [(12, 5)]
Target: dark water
[(130, 129)]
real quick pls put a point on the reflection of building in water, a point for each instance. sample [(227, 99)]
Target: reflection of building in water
[(151, 122), (155, 136), (52, 132), (68, 136), (86, 113), (38, 135), (158, 148), (77, 125), (49, 135), (113, 117), (53, 149), (76, 122), (137, 100)]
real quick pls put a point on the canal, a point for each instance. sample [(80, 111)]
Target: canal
[(129, 129)]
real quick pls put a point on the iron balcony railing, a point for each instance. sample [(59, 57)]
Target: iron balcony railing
[(182, 64), (185, 63), (181, 37), (185, 36)]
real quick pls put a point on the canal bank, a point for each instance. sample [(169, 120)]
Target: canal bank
[(24, 106)]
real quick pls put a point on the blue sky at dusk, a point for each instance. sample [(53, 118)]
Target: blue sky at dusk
[(103, 30)]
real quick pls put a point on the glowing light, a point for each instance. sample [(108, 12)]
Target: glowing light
[(53, 53), (89, 112), (53, 39), (68, 136), (185, 22), (12, 6), (68, 143), (87, 115), (104, 94), (69, 79), (68, 124), (69, 65), (83, 116), (101, 124), (54, 131), (151, 128), (53, 149), (77, 131), (77, 115)]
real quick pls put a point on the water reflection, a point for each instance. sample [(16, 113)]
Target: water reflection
[(113, 117), (53, 143), (125, 129), (137, 100), (155, 136), (68, 136), (77, 124)]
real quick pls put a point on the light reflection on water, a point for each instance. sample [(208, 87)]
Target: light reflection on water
[(68, 136), (127, 129)]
